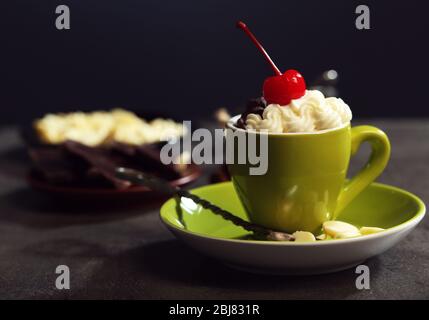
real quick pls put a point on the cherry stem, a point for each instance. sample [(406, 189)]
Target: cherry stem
[(241, 25)]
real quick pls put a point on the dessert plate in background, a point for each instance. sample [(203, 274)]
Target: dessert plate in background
[(380, 205), (64, 170)]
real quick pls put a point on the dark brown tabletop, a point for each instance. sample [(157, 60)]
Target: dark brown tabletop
[(125, 252)]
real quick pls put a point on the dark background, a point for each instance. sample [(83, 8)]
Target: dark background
[(185, 58)]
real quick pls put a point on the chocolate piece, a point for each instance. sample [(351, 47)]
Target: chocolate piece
[(151, 156), (56, 165), (73, 163), (255, 106), (123, 148), (146, 158), (99, 160), (256, 103), (241, 123)]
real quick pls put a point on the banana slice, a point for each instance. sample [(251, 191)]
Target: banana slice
[(340, 230), (369, 230), (51, 128), (303, 236), (321, 237), (101, 127)]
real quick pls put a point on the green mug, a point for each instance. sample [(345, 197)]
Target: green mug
[(305, 182)]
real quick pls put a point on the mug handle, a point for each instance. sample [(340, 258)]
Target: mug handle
[(380, 154)]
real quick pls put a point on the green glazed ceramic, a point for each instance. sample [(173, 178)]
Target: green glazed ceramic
[(305, 184), (379, 205)]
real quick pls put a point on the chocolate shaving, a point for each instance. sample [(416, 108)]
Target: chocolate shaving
[(100, 162), (255, 106), (57, 165), (149, 156), (73, 163)]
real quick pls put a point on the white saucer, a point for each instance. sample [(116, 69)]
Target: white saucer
[(396, 210)]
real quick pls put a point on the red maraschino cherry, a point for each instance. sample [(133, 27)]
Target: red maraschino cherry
[(281, 88)]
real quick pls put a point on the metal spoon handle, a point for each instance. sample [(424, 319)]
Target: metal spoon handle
[(155, 183)]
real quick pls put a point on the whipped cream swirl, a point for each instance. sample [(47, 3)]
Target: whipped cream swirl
[(312, 112), (270, 121)]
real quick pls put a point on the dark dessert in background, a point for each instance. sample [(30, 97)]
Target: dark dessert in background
[(61, 161)]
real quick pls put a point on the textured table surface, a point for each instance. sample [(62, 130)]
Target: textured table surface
[(128, 253)]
